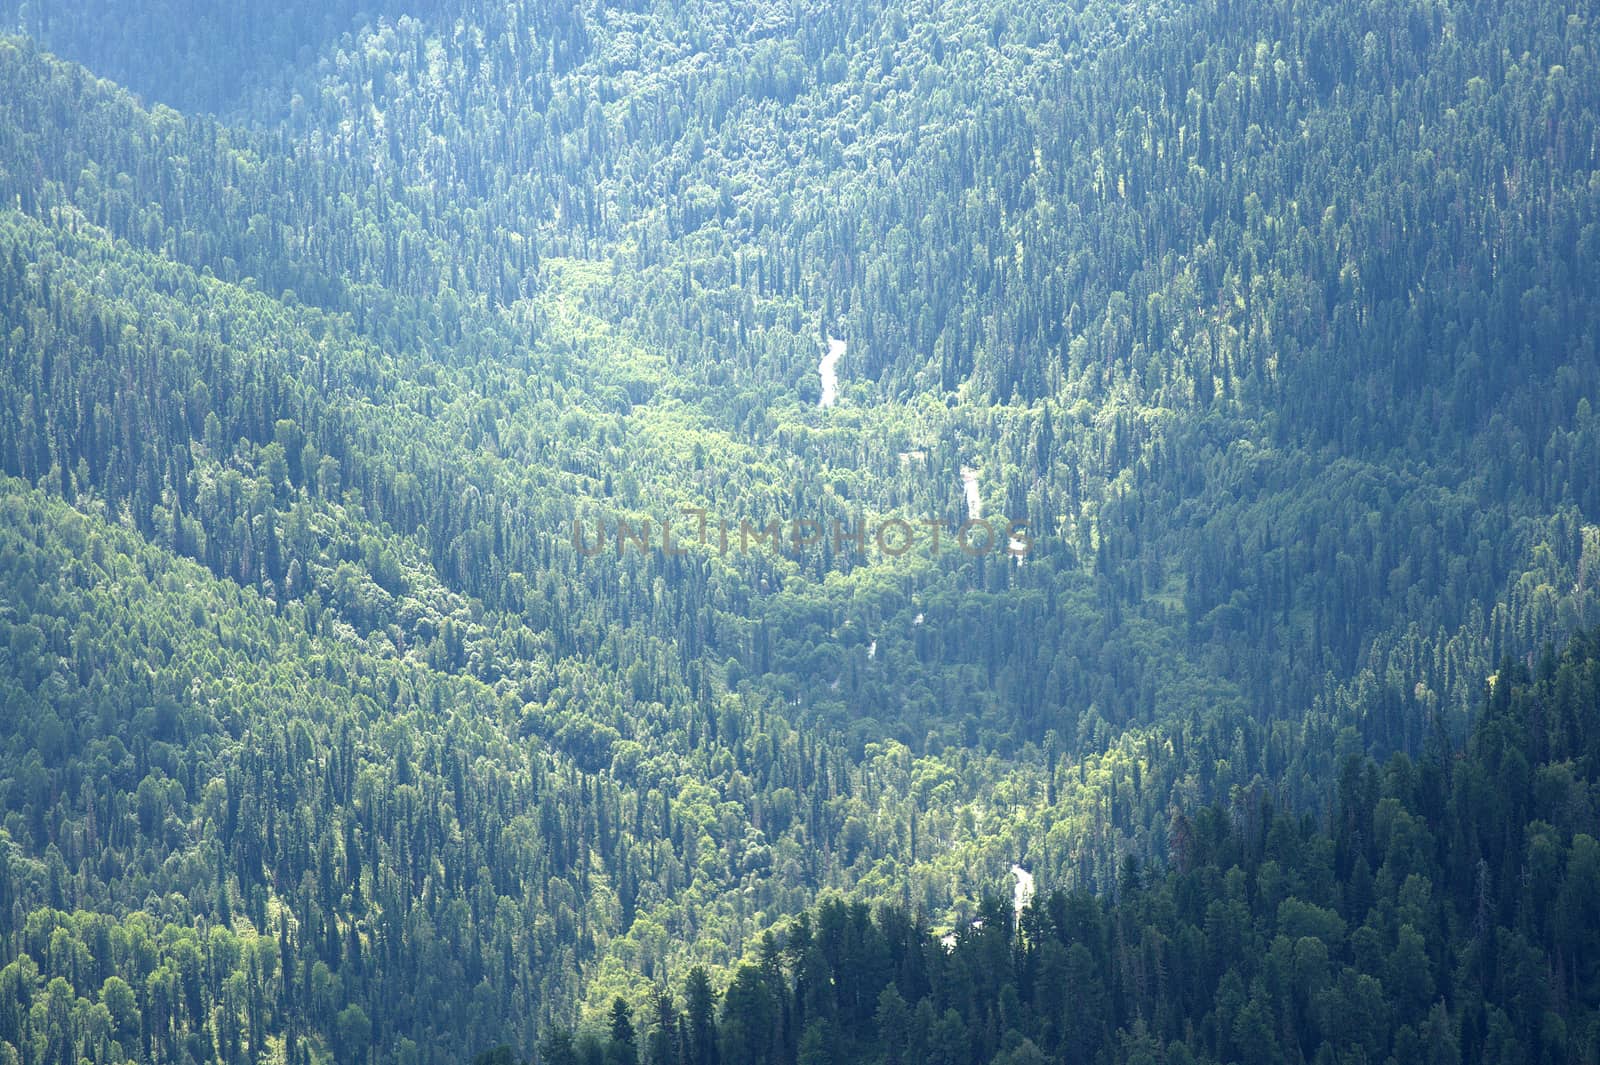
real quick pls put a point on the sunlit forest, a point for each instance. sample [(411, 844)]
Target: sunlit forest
[(388, 673)]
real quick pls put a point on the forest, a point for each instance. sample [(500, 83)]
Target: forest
[(326, 328), (1448, 910)]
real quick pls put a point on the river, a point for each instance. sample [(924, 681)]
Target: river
[(828, 368), (969, 485), (1022, 894)]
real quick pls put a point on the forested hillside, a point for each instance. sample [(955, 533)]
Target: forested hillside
[(326, 740), (1448, 911)]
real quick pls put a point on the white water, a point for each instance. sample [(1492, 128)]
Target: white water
[(828, 368), (1022, 894), (969, 485)]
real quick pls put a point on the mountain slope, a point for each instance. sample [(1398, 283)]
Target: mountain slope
[(1274, 324), (1445, 913)]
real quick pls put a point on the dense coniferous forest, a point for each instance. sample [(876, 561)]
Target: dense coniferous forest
[(328, 328), (1448, 910)]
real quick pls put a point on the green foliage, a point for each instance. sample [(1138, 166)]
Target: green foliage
[(321, 739), (1163, 971)]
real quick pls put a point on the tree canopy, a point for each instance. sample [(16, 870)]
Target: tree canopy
[(325, 326)]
